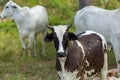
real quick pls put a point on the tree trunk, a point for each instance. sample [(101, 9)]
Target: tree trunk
[(83, 3)]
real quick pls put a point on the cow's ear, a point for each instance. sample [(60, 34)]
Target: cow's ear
[(48, 37), (72, 36)]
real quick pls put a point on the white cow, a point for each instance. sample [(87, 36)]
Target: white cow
[(30, 22), (106, 22)]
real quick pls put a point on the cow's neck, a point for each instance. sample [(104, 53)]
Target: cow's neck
[(65, 74), (62, 63)]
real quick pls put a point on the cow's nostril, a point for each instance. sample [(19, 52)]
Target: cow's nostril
[(61, 54)]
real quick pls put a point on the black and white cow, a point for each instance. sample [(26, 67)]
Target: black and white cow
[(79, 57)]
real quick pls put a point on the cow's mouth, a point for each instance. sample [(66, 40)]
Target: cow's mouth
[(61, 54)]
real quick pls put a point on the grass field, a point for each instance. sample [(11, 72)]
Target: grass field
[(15, 67)]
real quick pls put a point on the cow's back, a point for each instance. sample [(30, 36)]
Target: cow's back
[(94, 18), (94, 53), (40, 17)]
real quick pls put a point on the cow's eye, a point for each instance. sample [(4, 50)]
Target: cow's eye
[(14, 7), (54, 36), (6, 7)]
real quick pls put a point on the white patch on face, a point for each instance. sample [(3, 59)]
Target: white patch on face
[(60, 30)]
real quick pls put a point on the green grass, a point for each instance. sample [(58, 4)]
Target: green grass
[(15, 67)]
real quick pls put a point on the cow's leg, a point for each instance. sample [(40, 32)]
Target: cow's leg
[(105, 68), (32, 38), (115, 41), (35, 45), (30, 45), (43, 42), (22, 39)]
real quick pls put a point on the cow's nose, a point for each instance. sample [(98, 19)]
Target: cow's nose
[(61, 54)]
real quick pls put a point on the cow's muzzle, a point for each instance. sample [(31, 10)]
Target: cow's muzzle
[(61, 54)]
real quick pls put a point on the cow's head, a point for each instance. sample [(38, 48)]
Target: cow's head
[(9, 9), (61, 37)]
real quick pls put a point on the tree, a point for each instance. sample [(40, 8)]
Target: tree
[(83, 3)]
